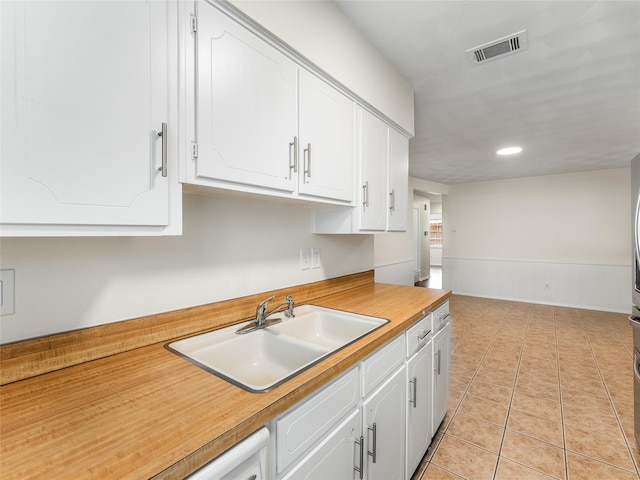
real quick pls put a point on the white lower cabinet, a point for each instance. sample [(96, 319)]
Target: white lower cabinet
[(306, 423), (383, 430), (333, 457), (419, 406), (440, 375), (376, 420)]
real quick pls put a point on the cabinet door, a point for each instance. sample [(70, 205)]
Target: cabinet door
[(440, 375), (373, 143), (311, 420), (326, 147), (84, 94), (384, 431), (398, 181), (246, 106), (335, 457), (419, 407)]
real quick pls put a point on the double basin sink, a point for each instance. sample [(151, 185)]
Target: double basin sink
[(265, 358)]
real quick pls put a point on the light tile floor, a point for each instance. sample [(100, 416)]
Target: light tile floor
[(536, 392)]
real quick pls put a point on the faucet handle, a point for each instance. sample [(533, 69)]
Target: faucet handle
[(262, 307), (289, 313)]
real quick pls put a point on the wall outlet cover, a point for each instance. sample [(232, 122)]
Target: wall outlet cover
[(315, 258), (305, 258)]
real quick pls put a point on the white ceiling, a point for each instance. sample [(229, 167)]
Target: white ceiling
[(572, 100)]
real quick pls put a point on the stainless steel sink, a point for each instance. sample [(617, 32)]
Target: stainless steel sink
[(263, 359)]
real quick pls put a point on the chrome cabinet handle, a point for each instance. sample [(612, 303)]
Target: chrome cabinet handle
[(360, 469), (365, 194), (636, 240), (163, 133), (373, 453), (307, 160), (438, 355), (414, 400), (293, 166), (424, 334), (392, 202)]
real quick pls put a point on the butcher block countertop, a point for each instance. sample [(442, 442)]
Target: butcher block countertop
[(95, 404)]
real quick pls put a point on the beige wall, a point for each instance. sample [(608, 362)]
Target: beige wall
[(230, 247), (320, 32), (574, 218)]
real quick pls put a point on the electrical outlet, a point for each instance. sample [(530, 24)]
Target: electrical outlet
[(305, 258), (315, 258), (7, 291)]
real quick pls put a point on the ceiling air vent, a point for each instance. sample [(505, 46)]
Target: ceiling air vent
[(498, 48)]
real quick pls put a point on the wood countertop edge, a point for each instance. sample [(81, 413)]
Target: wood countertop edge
[(368, 298)]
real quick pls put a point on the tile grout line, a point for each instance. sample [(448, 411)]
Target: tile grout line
[(615, 412), (559, 376), (575, 323), (497, 329), (513, 393)]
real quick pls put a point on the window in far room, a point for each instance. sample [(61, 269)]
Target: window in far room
[(435, 230)]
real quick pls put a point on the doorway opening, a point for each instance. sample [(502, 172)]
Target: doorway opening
[(428, 239)]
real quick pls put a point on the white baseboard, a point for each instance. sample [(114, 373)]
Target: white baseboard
[(586, 286)]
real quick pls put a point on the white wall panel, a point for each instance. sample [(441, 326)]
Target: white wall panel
[(589, 286), (399, 273)]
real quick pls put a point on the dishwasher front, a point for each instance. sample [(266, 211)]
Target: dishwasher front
[(245, 461)]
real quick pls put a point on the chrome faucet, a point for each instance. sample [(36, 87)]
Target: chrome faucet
[(262, 317)]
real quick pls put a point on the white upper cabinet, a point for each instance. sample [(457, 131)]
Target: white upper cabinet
[(374, 150), (383, 182), (398, 182), (326, 142), (264, 124), (85, 91), (246, 107)]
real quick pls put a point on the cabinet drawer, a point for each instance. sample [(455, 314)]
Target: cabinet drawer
[(381, 364), (333, 458), (441, 316), (419, 335), (309, 421)]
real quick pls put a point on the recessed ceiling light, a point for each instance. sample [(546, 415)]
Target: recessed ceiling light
[(509, 151)]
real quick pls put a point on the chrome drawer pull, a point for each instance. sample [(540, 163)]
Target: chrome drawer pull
[(375, 434), (307, 157), (163, 133), (293, 166), (424, 334), (414, 401), (360, 469)]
